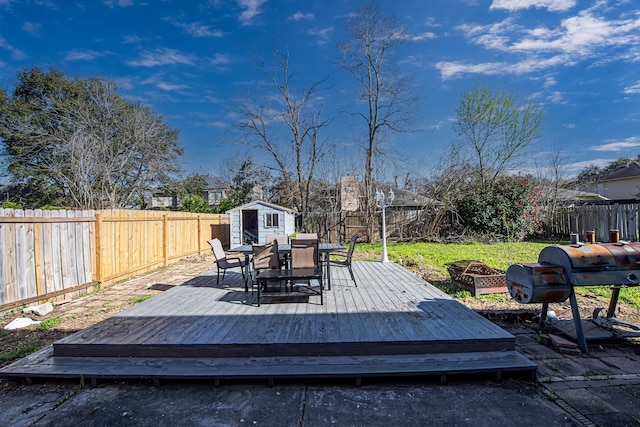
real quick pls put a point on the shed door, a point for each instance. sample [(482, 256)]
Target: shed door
[(250, 226)]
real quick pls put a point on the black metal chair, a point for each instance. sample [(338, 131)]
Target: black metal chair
[(348, 256), (222, 262)]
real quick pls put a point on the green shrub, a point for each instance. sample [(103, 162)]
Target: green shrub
[(508, 210), (11, 205), (195, 203)]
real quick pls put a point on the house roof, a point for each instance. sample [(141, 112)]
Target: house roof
[(405, 198), (215, 183), (260, 202), (630, 170), (566, 194)]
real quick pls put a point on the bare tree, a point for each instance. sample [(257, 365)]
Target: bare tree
[(495, 130), (387, 97), (261, 126)]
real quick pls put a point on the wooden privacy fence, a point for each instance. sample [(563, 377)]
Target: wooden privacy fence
[(44, 254), (598, 218), (335, 226)]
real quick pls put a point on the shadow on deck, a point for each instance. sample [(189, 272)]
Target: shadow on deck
[(392, 324)]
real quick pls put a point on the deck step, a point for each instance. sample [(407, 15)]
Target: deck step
[(324, 349), (44, 364)]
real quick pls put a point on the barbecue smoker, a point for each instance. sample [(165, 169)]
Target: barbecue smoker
[(560, 268)]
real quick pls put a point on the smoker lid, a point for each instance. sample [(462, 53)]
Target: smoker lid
[(577, 257)]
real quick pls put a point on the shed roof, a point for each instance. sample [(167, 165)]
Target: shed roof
[(263, 203)]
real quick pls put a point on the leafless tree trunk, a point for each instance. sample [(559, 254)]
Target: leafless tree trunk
[(366, 56), (297, 161)]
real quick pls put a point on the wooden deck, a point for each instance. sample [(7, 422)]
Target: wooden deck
[(392, 323)]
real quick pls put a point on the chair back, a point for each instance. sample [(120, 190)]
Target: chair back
[(352, 246), (304, 253), (218, 251), (307, 236), (282, 239), (266, 256)]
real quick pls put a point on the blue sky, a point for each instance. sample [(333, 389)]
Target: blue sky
[(189, 60)]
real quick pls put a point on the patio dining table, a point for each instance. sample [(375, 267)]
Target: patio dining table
[(324, 248)]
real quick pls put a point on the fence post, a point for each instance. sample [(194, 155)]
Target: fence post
[(199, 234), (165, 239), (98, 277), (37, 253)]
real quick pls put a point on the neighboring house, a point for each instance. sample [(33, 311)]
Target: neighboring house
[(403, 200), (622, 183), (251, 222), (216, 189)]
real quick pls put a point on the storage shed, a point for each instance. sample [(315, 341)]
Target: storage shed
[(251, 222)]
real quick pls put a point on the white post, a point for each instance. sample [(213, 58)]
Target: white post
[(382, 202), (385, 258)]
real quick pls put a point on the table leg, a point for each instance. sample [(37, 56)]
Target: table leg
[(326, 259), (247, 270)]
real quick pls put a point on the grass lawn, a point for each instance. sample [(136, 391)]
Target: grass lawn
[(430, 259), (437, 255)]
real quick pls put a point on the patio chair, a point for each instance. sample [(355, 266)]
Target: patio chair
[(222, 262), (282, 239), (348, 255), (265, 257), (307, 236), (305, 253)]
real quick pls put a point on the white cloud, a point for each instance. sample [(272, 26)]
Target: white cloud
[(452, 69), (251, 10), (550, 81), (585, 36), (578, 166), (423, 36), (31, 28), (16, 53), (125, 83), (633, 89), (196, 29), (169, 87), (551, 5), (118, 3), (323, 34), (299, 16), (83, 55), (431, 22), (220, 59), (162, 56), (631, 142)]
